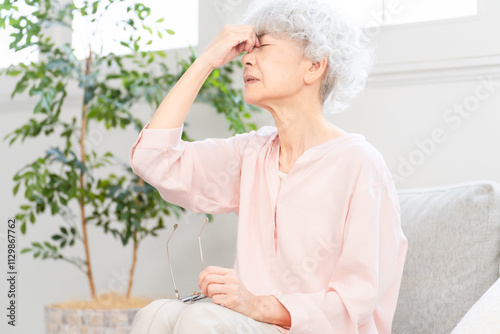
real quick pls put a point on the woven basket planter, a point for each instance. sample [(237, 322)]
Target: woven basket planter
[(77, 321)]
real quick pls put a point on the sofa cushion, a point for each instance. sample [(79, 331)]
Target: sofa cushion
[(484, 316), (453, 254)]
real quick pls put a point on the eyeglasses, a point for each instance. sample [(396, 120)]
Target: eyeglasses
[(197, 295)]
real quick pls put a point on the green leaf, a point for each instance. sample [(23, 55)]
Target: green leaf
[(148, 29), (160, 20), (26, 250), (54, 208), (113, 76), (56, 237), (171, 32), (13, 73)]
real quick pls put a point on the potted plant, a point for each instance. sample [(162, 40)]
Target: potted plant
[(73, 179)]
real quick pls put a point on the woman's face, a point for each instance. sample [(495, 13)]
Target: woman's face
[(274, 72)]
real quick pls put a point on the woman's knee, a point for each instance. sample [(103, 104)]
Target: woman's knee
[(157, 317), (202, 318), (208, 318)]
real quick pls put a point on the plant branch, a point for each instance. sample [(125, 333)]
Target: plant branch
[(132, 268), (82, 183), (78, 265), (134, 252)]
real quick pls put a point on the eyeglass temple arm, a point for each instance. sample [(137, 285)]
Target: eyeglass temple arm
[(199, 243), (170, 264)]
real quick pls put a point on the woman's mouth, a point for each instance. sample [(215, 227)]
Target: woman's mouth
[(249, 79)]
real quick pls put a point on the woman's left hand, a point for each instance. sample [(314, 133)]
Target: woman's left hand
[(225, 288)]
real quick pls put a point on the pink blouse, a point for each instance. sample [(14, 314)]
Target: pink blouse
[(327, 242)]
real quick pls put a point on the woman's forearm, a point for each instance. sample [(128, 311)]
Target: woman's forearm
[(269, 309), (173, 110), (229, 43)]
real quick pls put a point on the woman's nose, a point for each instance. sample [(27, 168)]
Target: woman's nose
[(248, 59)]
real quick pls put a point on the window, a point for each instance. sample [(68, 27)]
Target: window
[(390, 12), (179, 17)]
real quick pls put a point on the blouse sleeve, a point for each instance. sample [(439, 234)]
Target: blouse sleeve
[(201, 176), (367, 275)]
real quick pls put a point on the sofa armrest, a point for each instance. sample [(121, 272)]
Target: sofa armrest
[(484, 315)]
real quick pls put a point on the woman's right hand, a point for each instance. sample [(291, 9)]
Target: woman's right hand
[(231, 41)]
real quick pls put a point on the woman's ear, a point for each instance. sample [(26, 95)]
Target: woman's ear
[(315, 71)]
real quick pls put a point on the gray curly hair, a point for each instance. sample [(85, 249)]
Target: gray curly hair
[(321, 31)]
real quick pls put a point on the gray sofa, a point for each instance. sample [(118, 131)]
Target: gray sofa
[(451, 276)]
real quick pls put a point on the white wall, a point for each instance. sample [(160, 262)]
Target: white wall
[(433, 103), (422, 71)]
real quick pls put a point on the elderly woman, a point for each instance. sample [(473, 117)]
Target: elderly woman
[(319, 247)]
